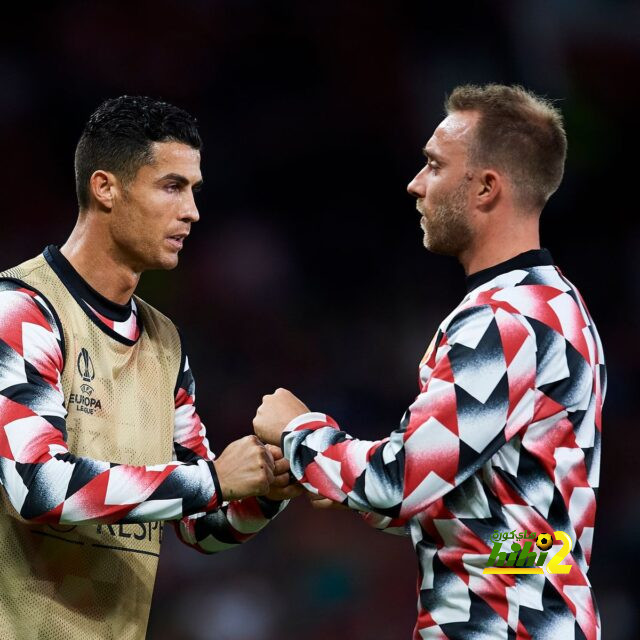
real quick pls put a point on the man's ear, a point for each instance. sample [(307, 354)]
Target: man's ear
[(488, 189), (103, 186)]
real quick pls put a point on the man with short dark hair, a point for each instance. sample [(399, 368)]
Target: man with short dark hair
[(97, 398), (504, 435)]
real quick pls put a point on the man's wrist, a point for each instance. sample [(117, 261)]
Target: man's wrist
[(310, 421), (269, 507), (216, 484)]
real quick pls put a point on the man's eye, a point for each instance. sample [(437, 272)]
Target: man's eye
[(433, 165), (172, 187)]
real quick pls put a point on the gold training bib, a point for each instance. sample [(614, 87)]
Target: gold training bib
[(93, 581)]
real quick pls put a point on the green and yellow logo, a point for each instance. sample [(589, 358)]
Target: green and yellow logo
[(524, 558)]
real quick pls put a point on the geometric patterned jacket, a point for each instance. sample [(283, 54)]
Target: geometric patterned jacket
[(30, 341), (504, 435)]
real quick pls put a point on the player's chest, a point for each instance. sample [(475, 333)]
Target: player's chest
[(119, 398), (433, 353)]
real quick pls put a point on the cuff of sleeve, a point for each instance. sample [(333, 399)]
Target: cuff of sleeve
[(271, 508), (312, 420), (217, 499)]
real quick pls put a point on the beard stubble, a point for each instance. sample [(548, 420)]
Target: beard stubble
[(446, 228)]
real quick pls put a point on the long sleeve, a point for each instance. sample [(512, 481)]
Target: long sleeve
[(47, 483), (234, 522), (393, 526), (504, 435), (477, 391)]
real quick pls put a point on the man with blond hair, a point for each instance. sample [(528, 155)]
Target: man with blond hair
[(505, 432)]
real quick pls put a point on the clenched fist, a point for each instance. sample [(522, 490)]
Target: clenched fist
[(245, 468), (283, 487), (275, 412)]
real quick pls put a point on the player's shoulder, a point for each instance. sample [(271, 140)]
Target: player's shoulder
[(517, 290), (22, 280), (23, 271), (149, 311), (17, 293), (541, 298), (513, 292), (20, 302), (531, 281), (156, 323)]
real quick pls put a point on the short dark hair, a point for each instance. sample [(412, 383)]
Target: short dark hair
[(519, 133), (119, 135)]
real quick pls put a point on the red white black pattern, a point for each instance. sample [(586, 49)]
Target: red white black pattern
[(46, 483), (504, 434), (129, 328)]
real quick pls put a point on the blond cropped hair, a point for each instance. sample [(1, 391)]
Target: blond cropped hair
[(518, 133)]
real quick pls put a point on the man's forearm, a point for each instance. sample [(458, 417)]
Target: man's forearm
[(229, 526)]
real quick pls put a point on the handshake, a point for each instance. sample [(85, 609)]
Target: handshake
[(254, 465)]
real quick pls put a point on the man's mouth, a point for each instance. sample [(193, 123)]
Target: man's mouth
[(177, 241)]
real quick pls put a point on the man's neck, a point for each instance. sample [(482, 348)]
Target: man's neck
[(501, 240), (491, 256), (96, 260)]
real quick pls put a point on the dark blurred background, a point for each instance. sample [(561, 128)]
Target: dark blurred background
[(307, 268)]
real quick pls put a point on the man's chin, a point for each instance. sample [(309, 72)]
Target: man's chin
[(439, 248), (430, 244), (166, 262), (168, 265)]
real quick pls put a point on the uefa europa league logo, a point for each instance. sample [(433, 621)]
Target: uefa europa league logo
[(86, 371)]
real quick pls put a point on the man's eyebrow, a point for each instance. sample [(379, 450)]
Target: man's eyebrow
[(180, 179), (431, 155)]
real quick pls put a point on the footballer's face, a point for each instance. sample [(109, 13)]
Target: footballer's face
[(153, 215), (442, 186)]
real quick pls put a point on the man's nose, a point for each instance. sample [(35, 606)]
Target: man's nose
[(416, 187), (191, 212)]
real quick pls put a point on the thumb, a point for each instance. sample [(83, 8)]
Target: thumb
[(276, 452)]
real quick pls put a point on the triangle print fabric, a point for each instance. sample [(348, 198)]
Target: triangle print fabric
[(504, 434)]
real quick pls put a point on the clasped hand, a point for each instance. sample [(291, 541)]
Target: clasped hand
[(274, 414), (249, 468), (254, 465)]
